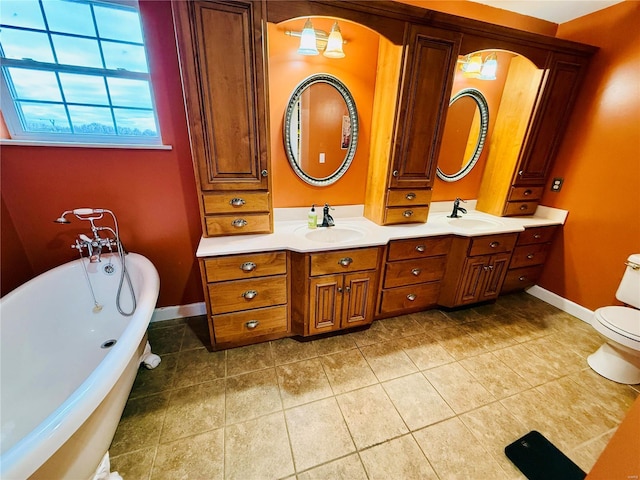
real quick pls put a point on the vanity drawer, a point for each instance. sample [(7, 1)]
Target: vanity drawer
[(528, 255), (405, 215), (490, 244), (521, 194), (536, 235), (418, 248), (251, 323), (416, 297), (236, 267), (238, 224), (409, 272), (238, 295), (520, 208), (398, 198), (235, 202), (343, 261), (520, 278)]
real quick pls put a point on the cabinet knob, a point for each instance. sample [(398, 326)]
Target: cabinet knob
[(416, 271), (248, 267), (346, 261), (420, 248), (522, 278), (524, 206), (527, 192), (494, 244), (411, 297), (488, 268), (347, 289), (239, 222), (537, 236), (264, 173), (395, 173), (251, 324), (407, 213), (250, 294), (339, 289), (520, 173), (530, 256), (237, 202), (410, 196)]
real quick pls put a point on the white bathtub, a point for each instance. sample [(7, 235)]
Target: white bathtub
[(62, 395)]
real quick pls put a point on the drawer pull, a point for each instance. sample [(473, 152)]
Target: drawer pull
[(520, 173), (251, 324), (420, 248), (248, 267), (494, 244), (527, 192), (530, 256), (346, 261), (395, 173), (522, 278), (416, 271), (237, 202), (264, 173), (239, 222), (411, 297), (524, 207), (250, 294), (410, 196), (407, 213), (537, 236), (488, 268)]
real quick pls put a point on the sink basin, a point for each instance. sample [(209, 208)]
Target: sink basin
[(333, 234)]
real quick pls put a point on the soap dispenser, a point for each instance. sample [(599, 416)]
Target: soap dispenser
[(312, 218)]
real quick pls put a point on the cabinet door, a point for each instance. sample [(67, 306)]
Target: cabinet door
[(223, 72), (551, 117), (424, 98), (325, 299), (471, 279), (358, 300), (494, 272)]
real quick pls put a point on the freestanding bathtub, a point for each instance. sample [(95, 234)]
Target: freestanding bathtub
[(64, 381)]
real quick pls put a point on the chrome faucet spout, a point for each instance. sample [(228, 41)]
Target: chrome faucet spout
[(457, 208), (327, 220)]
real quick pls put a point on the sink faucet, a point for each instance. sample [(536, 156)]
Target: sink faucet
[(457, 208), (327, 220)]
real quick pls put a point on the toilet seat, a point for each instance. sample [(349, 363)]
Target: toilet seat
[(621, 324)]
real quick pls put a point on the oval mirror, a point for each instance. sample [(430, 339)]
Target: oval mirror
[(464, 135), (320, 129)]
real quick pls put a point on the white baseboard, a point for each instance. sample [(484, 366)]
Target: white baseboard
[(563, 304), (178, 311)]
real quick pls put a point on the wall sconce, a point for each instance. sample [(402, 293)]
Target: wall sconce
[(312, 41), (474, 67)]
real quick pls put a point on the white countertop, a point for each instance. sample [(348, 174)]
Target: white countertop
[(290, 229)]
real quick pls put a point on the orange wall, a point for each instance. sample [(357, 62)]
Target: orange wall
[(600, 162), (152, 192)]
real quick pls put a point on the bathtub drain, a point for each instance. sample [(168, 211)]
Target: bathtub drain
[(109, 343)]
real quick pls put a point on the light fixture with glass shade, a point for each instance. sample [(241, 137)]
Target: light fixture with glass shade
[(334, 43), (474, 67), (489, 67), (314, 41), (308, 41)]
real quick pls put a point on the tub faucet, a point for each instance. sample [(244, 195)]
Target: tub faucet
[(457, 208), (327, 220)]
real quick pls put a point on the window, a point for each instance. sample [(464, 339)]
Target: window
[(76, 71)]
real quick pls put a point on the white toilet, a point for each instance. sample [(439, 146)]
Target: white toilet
[(619, 358)]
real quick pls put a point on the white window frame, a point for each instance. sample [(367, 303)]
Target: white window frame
[(12, 117)]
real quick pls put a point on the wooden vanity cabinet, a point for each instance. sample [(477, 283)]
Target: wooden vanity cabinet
[(246, 297), (333, 290), (528, 258), (412, 274), (224, 81), (476, 269)]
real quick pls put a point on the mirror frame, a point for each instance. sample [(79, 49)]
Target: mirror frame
[(353, 117), (483, 107)]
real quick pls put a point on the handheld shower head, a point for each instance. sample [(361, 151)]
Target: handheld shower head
[(62, 218)]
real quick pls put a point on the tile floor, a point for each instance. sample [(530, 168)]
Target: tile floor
[(433, 395)]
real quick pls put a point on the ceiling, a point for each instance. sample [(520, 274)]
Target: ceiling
[(556, 11)]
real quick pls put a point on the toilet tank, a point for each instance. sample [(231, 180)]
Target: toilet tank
[(629, 289)]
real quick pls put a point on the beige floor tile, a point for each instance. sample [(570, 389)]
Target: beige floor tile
[(250, 358), (370, 416), (455, 453), (424, 351), (318, 433), (458, 343), (518, 326), (458, 387), (400, 458), (251, 395), (495, 375), (418, 403), (288, 350), (346, 468), (615, 397), (258, 449), (199, 456), (586, 455), (196, 333), (334, 344), (402, 326), (488, 334), (374, 334), (553, 350), (527, 364), (135, 465), (140, 424), (463, 315), (195, 409), (197, 366), (433, 320), (347, 371), (388, 360), (303, 382), (159, 379)]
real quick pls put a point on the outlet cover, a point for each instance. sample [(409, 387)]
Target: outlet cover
[(556, 184)]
